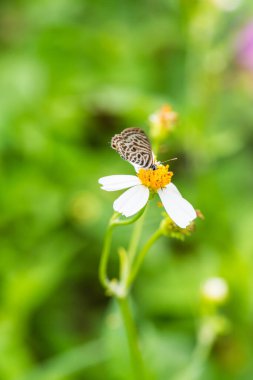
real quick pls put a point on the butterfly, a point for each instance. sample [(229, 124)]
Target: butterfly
[(133, 145)]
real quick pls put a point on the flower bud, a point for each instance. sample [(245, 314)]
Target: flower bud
[(170, 229), (162, 122), (215, 290)]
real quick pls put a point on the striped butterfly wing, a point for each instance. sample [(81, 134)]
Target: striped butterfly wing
[(133, 145)]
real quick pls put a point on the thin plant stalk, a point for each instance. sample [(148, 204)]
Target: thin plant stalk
[(128, 321), (133, 266), (135, 239), (105, 256), (200, 354), (141, 256), (114, 221), (132, 338)]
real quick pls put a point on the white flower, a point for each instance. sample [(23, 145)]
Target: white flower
[(215, 289), (139, 187)]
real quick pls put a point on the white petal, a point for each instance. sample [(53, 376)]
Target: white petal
[(178, 208), (173, 188), (132, 200), (118, 182)]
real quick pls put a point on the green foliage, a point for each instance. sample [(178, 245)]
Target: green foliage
[(73, 73)]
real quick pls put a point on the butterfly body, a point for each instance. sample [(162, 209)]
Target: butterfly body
[(133, 145)]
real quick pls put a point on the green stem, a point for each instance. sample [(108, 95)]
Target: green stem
[(140, 258), (135, 239), (124, 222), (123, 301), (132, 338), (114, 221), (105, 256), (198, 359)]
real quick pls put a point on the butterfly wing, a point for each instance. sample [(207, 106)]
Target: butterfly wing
[(133, 145)]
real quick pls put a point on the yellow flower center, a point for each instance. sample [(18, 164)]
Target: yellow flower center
[(155, 179)]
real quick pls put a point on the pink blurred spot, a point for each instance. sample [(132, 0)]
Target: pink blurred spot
[(244, 47)]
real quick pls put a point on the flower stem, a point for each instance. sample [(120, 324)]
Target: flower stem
[(132, 338), (141, 256), (128, 321), (114, 221), (104, 257), (135, 239), (198, 359), (124, 222)]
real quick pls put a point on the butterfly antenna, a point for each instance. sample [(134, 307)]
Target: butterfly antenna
[(171, 159)]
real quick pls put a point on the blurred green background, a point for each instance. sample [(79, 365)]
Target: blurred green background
[(72, 74)]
